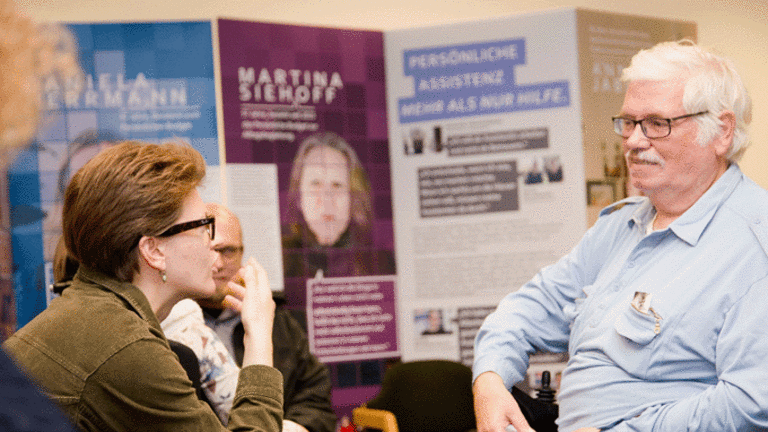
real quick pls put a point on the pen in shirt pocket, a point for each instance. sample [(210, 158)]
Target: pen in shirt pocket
[(642, 303)]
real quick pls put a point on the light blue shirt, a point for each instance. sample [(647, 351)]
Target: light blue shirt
[(705, 368)]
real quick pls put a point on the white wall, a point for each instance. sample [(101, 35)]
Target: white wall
[(736, 28)]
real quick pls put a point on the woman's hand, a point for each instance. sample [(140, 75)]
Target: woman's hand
[(253, 299)]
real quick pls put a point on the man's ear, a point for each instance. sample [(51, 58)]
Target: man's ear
[(724, 140), (152, 252)]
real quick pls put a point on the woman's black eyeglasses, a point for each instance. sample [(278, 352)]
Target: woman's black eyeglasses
[(186, 226)]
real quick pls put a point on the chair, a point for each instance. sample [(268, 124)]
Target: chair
[(421, 396), (191, 365)]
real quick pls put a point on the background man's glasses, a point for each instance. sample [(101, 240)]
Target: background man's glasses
[(652, 127), (228, 252), (209, 223)]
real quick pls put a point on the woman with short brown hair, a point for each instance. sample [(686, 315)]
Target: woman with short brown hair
[(135, 222)]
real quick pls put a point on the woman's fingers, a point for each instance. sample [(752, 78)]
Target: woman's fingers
[(257, 311), (257, 304), (232, 302), (235, 295)]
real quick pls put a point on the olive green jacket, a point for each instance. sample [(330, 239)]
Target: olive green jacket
[(99, 352)]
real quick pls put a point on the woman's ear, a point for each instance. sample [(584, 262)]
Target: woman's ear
[(152, 252)]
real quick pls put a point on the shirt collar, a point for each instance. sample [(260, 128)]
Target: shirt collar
[(125, 290), (643, 215), (691, 224)]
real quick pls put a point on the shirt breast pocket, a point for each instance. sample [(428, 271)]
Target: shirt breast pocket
[(636, 331), (639, 327)]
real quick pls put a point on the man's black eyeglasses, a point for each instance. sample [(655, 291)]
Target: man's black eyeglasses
[(652, 127), (186, 226)]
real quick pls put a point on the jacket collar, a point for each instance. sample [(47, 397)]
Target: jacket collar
[(126, 291)]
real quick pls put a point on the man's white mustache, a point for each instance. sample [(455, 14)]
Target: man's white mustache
[(645, 156)]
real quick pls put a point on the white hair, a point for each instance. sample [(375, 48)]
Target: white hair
[(713, 85)]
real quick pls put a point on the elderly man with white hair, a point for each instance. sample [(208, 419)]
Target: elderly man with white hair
[(660, 306)]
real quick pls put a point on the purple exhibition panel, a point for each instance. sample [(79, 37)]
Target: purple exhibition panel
[(284, 85), (311, 101), (352, 318)]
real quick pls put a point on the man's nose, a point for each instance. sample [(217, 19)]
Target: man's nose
[(218, 263), (637, 139)]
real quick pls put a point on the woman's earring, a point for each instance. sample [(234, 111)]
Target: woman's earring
[(163, 276)]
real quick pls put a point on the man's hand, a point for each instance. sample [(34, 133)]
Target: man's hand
[(289, 426), (495, 408)]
